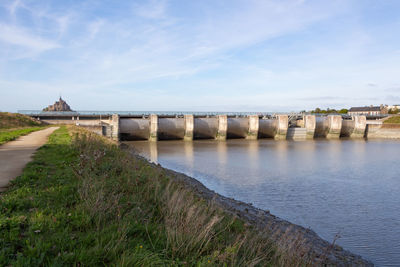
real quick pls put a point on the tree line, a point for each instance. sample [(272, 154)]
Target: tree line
[(329, 111)]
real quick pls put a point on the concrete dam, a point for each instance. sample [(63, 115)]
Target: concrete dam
[(221, 127)]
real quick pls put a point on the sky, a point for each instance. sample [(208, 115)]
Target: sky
[(167, 55)]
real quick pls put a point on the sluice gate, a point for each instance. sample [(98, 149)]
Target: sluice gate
[(222, 127)]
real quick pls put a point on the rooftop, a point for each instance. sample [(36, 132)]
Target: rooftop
[(359, 109)]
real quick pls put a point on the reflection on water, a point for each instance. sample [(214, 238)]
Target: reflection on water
[(346, 187)]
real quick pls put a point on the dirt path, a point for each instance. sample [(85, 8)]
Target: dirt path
[(16, 154)]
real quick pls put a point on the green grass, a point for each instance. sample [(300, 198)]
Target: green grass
[(9, 135), (16, 120), (84, 201), (394, 119)]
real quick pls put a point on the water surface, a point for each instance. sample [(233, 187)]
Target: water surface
[(349, 188)]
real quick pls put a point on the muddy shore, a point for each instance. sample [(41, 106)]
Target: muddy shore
[(294, 240)]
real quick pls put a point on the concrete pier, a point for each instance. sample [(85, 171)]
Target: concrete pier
[(222, 127), (334, 126), (360, 123), (189, 127), (310, 124), (153, 128), (253, 127), (282, 127), (114, 127)]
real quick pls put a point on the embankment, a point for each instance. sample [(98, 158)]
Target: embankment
[(15, 120)]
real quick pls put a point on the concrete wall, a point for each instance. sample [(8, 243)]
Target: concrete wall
[(253, 126), (189, 127), (282, 127), (310, 124), (115, 127), (153, 128), (296, 133), (386, 131), (84, 122), (222, 127)]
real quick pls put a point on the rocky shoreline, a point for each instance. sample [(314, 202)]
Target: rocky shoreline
[(294, 240)]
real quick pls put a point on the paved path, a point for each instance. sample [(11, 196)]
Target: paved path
[(16, 154)]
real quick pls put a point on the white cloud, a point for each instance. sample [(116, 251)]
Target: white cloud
[(153, 9), (63, 23), (256, 21), (94, 27), (13, 7), (18, 36)]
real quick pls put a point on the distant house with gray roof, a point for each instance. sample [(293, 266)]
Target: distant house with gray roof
[(368, 110)]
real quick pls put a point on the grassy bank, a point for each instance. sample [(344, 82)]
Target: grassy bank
[(9, 135), (394, 119), (15, 120), (84, 201)]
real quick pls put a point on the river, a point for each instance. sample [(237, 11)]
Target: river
[(339, 188)]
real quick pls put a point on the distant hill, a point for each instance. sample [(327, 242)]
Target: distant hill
[(16, 120)]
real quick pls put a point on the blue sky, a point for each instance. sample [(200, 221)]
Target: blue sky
[(249, 55)]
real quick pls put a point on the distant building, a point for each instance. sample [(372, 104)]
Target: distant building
[(393, 107), (369, 110), (59, 105)]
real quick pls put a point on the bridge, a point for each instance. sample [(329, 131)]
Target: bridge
[(155, 126)]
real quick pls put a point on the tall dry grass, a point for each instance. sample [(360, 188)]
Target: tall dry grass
[(179, 225)]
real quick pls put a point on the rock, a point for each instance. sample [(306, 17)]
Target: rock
[(59, 105)]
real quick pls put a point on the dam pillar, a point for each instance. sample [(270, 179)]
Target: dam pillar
[(282, 127), (153, 127), (222, 127), (114, 127), (334, 126), (310, 124), (360, 123), (253, 127), (189, 126)]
